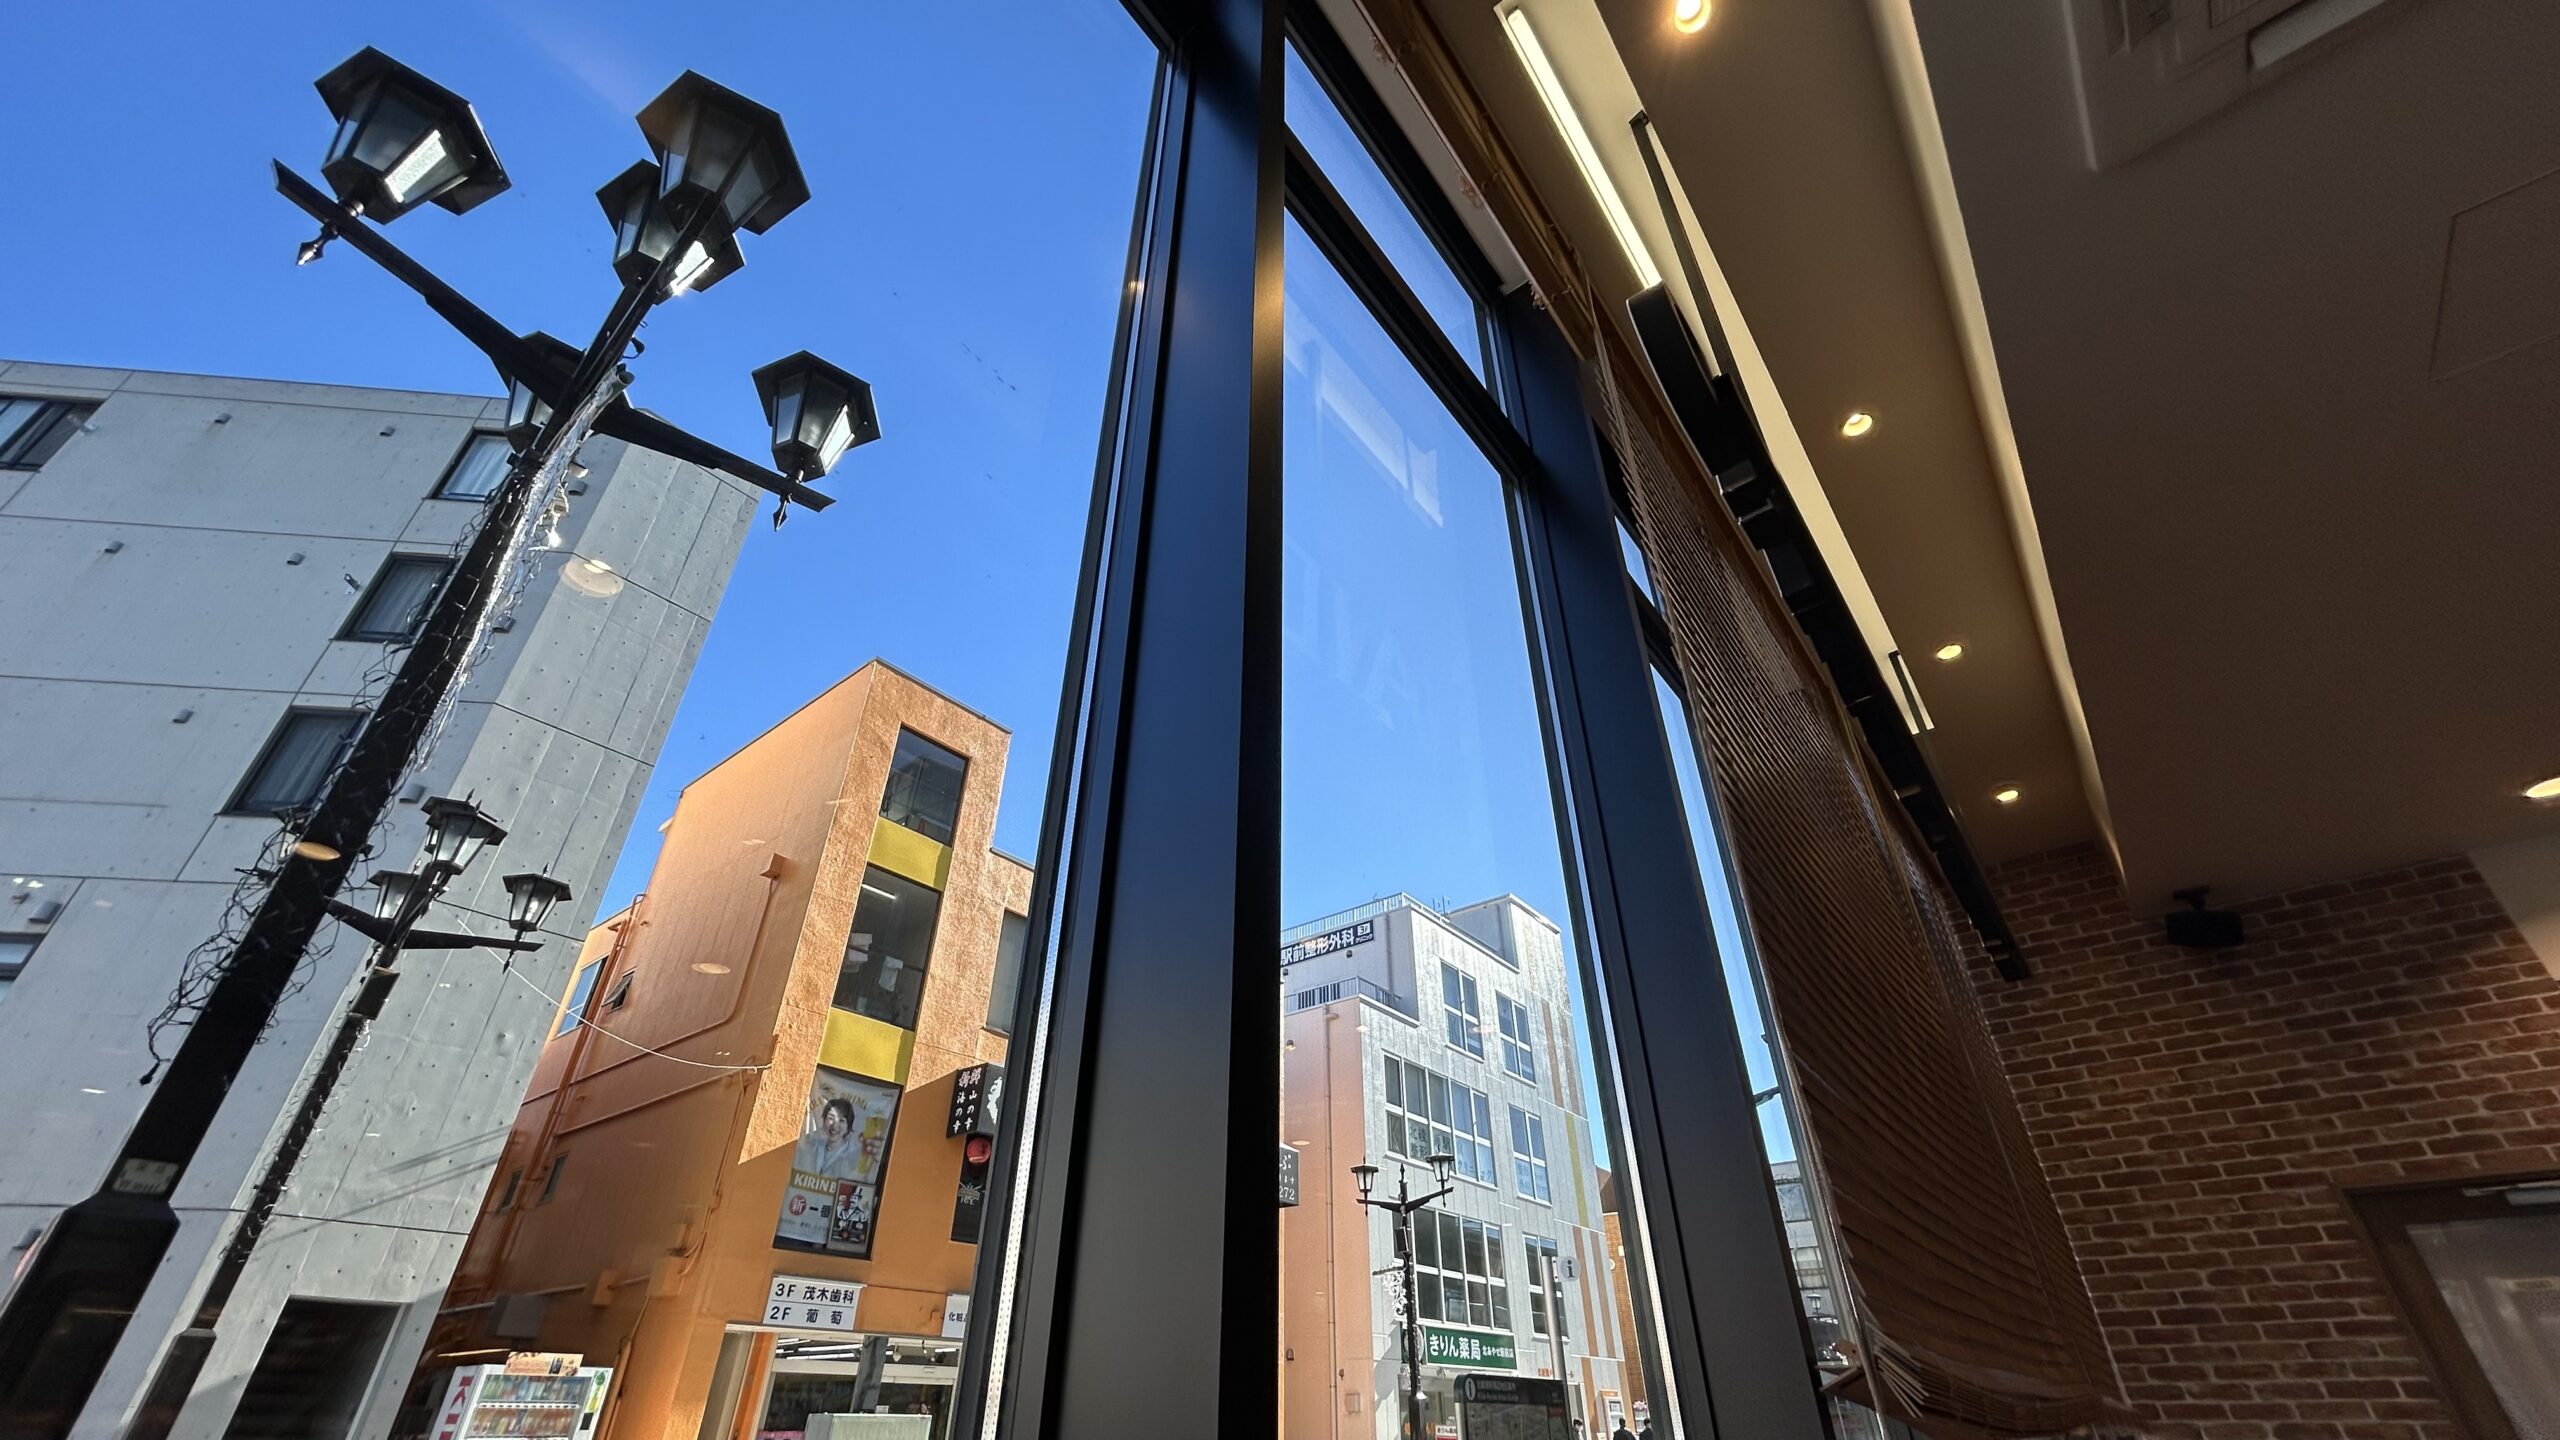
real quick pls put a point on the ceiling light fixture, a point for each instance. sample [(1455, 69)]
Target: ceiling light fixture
[(1858, 423), (1691, 16), (1949, 651), (2543, 789), (2006, 794), (1542, 73)]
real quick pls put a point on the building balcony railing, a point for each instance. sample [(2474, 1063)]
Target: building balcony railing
[(1345, 989)]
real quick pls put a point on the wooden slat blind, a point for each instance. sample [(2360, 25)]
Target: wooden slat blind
[(1965, 1297)]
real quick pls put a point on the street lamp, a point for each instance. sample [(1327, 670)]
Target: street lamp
[(456, 831), (818, 412), (1401, 1211), (401, 141), (644, 234), (720, 151), (530, 898)]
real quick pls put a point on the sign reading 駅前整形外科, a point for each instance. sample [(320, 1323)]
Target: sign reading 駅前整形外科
[(1476, 1349), (1328, 942)]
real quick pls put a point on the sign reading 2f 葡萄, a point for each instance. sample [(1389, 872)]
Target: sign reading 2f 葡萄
[(1475, 1349)]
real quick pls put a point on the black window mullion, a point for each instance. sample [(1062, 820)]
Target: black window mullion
[(1702, 1216), (1339, 73)]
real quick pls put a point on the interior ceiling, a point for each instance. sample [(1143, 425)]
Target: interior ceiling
[(2293, 480)]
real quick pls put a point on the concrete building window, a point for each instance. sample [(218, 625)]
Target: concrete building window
[(14, 953), (478, 471), (924, 787), (297, 761), (1517, 1057), (581, 990), (395, 604), (885, 956), (312, 1377), (1529, 1156), (1792, 1202), (1004, 994), (31, 430), (1430, 1114), (1459, 1271), (1465, 1012), (1542, 1263)]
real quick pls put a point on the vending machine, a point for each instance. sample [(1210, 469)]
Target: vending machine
[(521, 1401)]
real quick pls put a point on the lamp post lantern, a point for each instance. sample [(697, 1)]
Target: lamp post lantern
[(1400, 1212), (723, 164)]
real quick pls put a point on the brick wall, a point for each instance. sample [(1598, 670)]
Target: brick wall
[(2197, 1110)]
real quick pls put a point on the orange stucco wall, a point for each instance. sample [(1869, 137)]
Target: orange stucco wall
[(659, 1232)]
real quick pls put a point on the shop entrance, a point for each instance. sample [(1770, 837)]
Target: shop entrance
[(776, 1379)]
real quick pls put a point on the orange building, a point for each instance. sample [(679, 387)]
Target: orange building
[(764, 1214)]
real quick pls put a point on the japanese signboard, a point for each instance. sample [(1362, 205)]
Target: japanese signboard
[(833, 1201), (1288, 1176), (955, 1316), (1473, 1349), (541, 1362), (1327, 943), (977, 1092), (806, 1302), (1513, 1407)]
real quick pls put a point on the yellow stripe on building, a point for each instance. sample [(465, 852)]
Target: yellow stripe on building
[(901, 851), (864, 1046)]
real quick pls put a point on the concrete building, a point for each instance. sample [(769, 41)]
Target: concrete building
[(827, 948), (1409, 1030), (200, 573)]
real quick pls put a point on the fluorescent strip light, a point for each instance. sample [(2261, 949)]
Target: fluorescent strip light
[(1533, 58)]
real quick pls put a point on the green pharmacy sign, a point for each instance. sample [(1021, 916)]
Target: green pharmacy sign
[(1477, 1349)]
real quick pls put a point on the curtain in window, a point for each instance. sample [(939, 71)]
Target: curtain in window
[(400, 599), (483, 466), (298, 762)]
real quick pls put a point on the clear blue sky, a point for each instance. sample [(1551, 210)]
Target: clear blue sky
[(973, 169)]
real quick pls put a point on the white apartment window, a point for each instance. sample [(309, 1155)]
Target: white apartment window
[(1465, 1014), (31, 429), (297, 761), (1529, 1156), (478, 471), (396, 603), (1459, 1271), (582, 990), (1430, 1114), (14, 951), (1542, 1263), (1006, 993), (1517, 1057)]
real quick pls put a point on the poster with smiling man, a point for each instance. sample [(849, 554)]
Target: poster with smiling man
[(832, 1203)]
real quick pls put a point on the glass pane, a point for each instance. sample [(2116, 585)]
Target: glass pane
[(477, 474), (1634, 557), (398, 601), (1354, 174), (1415, 764), (923, 793), (689, 717), (2500, 1280)]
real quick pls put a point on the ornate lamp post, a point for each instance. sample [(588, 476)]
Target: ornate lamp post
[(1401, 1210), (723, 164)]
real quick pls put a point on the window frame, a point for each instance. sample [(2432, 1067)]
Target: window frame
[(581, 997), (51, 427), (353, 627), (1531, 1177), (462, 455), (1462, 1012), (11, 970), (246, 789), (1526, 1070)]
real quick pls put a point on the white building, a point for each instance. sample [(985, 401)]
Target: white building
[(1407, 1031), (198, 573)]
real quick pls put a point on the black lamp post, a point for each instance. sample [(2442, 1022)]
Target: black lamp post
[(644, 234), (724, 164), (1401, 1210), (457, 831)]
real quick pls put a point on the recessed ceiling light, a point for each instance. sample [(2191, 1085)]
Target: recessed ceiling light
[(2006, 794), (1949, 651), (2543, 789), (1858, 423), (1691, 16), (709, 967)]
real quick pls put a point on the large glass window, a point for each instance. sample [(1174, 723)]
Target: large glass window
[(924, 787), (395, 605), (297, 761), (891, 944), (1517, 1056), (1459, 1270), (1462, 1010), (478, 470), (1529, 1157)]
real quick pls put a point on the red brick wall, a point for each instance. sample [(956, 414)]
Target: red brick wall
[(2197, 1110)]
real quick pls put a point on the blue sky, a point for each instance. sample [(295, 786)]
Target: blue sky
[(964, 257)]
